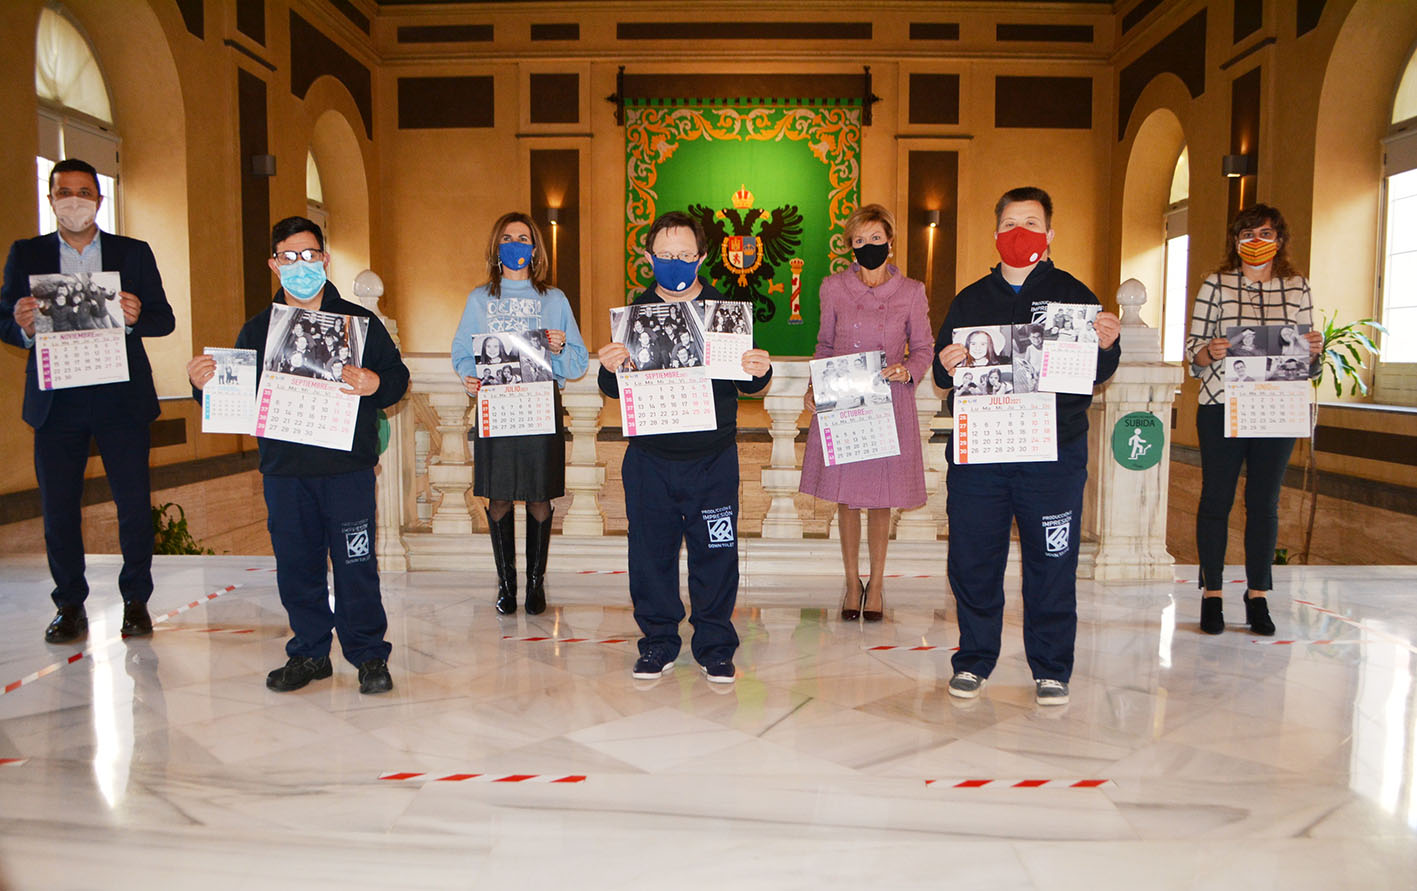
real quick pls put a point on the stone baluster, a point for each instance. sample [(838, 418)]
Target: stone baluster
[(584, 475), (450, 469), (920, 524), (781, 477), (1127, 509)]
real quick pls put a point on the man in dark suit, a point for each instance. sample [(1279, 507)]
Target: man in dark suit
[(116, 415)]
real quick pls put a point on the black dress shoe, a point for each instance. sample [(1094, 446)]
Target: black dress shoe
[(298, 672), (69, 624), (1257, 615), (852, 612), (1212, 615), (136, 621), (374, 677)]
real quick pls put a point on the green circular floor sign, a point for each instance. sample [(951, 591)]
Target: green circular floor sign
[(1137, 440)]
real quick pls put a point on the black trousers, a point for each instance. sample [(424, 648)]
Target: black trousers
[(61, 451), (695, 503), (1264, 461)]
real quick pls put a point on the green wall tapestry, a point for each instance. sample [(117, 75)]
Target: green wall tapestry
[(772, 182)]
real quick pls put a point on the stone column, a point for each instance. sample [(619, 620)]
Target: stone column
[(782, 476), (584, 476), (450, 468), (1129, 516)]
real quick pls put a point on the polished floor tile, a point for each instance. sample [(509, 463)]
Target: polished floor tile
[(836, 760)]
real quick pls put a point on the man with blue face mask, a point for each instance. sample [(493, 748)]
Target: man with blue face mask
[(116, 416), (320, 501), (683, 487)]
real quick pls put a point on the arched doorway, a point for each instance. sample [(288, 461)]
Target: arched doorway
[(344, 196), (1154, 243)]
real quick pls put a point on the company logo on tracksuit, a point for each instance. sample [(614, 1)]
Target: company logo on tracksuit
[(1057, 533), (720, 527)]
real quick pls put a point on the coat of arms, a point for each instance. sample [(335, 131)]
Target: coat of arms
[(747, 246)]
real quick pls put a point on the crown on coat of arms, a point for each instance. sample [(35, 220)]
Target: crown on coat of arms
[(742, 199)]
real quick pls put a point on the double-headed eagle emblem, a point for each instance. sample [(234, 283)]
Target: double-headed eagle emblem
[(741, 262)]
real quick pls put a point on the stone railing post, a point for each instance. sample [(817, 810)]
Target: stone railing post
[(584, 475), (450, 469), (920, 523), (781, 477), (1130, 511)]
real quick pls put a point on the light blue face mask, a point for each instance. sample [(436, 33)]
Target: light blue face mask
[(303, 279)]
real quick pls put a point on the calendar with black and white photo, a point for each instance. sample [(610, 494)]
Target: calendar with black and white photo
[(229, 398), (79, 331), (1065, 361), (669, 400), (1005, 429), (728, 334), (518, 392), (855, 417), (1267, 388), (302, 396), (659, 335)]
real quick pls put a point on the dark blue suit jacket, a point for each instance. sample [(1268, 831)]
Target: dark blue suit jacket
[(133, 261)]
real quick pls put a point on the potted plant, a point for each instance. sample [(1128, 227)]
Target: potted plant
[(1342, 360)]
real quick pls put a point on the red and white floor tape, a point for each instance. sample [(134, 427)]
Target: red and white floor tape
[(907, 647), (1366, 629), (12, 762), (1020, 784), (484, 778), (50, 669), (607, 640)]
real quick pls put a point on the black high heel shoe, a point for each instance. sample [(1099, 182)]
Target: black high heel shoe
[(873, 615), (1257, 615), (847, 613)]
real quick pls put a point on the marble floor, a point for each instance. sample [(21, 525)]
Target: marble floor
[(835, 761)]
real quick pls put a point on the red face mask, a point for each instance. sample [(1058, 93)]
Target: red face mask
[(1019, 247)]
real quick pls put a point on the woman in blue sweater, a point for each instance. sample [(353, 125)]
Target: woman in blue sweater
[(517, 298)]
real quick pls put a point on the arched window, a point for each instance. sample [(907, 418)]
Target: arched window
[(1178, 252), (75, 117), (315, 197), (1398, 283)]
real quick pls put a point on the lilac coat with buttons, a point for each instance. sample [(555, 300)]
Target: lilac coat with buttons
[(893, 317)]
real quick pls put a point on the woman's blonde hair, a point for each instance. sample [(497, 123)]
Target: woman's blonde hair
[(539, 263), (865, 216)]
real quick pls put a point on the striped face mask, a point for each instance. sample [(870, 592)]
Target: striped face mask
[(1256, 251)]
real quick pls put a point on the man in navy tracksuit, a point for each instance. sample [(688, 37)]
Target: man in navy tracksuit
[(683, 487), (320, 501), (1045, 497)]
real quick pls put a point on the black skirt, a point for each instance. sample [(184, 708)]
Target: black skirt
[(520, 468)]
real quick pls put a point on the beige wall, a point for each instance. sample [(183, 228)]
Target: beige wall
[(416, 205)]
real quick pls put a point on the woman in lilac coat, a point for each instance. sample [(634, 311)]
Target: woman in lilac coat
[(872, 306)]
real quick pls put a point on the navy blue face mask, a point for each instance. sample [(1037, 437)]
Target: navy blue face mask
[(674, 274)]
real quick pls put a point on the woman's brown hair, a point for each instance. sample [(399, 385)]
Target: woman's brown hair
[(1254, 217), (539, 263)]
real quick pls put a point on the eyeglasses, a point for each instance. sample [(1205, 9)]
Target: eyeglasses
[(284, 257), (685, 256)]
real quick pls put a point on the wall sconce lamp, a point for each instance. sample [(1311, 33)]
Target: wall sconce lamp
[(553, 215), (932, 219), (1236, 165), (263, 165)]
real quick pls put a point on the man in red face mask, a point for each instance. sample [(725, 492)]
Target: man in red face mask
[(1044, 497)]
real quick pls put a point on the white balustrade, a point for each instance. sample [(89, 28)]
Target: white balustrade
[(783, 474), (584, 474)]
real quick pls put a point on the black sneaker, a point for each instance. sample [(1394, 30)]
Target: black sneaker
[(650, 667), (298, 672), (719, 672), (374, 677)]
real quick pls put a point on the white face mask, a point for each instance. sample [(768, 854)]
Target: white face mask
[(75, 214)]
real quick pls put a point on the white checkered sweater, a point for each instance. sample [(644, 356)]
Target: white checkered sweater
[(1228, 300)]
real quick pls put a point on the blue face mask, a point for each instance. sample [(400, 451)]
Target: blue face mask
[(303, 279), (515, 255), (674, 274)]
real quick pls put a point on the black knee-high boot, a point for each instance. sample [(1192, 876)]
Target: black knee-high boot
[(504, 554), (538, 542)]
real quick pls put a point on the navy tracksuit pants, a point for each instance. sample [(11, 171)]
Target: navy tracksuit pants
[(696, 502), (1045, 497), (314, 518)]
